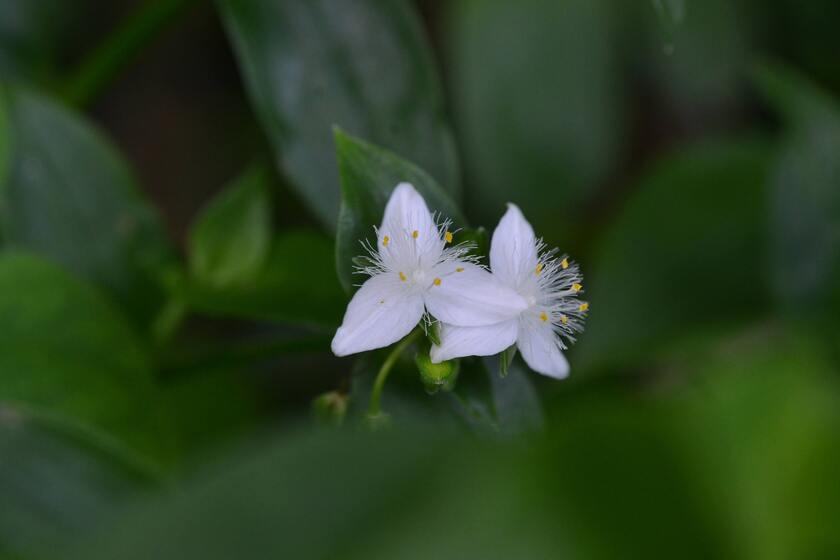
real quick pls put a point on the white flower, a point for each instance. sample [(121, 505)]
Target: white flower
[(549, 285), (413, 270)]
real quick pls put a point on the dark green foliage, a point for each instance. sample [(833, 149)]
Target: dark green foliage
[(364, 66)]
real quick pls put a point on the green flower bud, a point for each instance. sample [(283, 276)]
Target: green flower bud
[(437, 377), (330, 408)]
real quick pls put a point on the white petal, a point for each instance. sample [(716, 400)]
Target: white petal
[(457, 342), (405, 213), (383, 311), (540, 349), (469, 296), (513, 250)]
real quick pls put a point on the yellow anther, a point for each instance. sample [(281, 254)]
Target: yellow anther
[(448, 237), (381, 301), (539, 268), (543, 317), (459, 269), (564, 319), (385, 241), (436, 281), (402, 277), (415, 233), (564, 263), (584, 307), (577, 287)]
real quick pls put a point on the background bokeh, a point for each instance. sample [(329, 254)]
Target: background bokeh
[(170, 186)]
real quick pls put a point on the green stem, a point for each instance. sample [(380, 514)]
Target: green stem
[(119, 48), (376, 393)]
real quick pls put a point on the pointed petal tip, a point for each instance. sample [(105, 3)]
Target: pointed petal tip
[(558, 374), (337, 344), (404, 185)]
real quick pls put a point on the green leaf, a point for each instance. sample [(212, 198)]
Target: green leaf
[(671, 12), (368, 175), (5, 141), (293, 467), (69, 195), (211, 407), (362, 65), (515, 401), (539, 105), (762, 422), (30, 31), (527, 499), (805, 197), (296, 284), (687, 252), (506, 359), (232, 237), (679, 41), (66, 351), (57, 488)]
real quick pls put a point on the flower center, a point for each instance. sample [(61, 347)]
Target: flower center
[(419, 276)]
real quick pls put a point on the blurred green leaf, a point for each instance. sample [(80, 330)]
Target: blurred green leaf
[(214, 516), (69, 195), (670, 12), (737, 460), (66, 351), (766, 401), (211, 407), (805, 197), (700, 60), (30, 31), (685, 253), (231, 238), (368, 175), (515, 401), (810, 37), (56, 488), (363, 65), (501, 500), (540, 108), (296, 284)]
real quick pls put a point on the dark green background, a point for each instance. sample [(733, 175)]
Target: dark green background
[(182, 187)]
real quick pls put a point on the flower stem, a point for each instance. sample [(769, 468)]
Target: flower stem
[(378, 384), (120, 47)]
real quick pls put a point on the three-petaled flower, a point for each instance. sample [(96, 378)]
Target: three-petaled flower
[(414, 269), (550, 285)]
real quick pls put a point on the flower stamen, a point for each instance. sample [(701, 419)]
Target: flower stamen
[(402, 276), (415, 234), (385, 241)]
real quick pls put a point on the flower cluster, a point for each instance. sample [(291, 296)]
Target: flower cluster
[(528, 297)]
